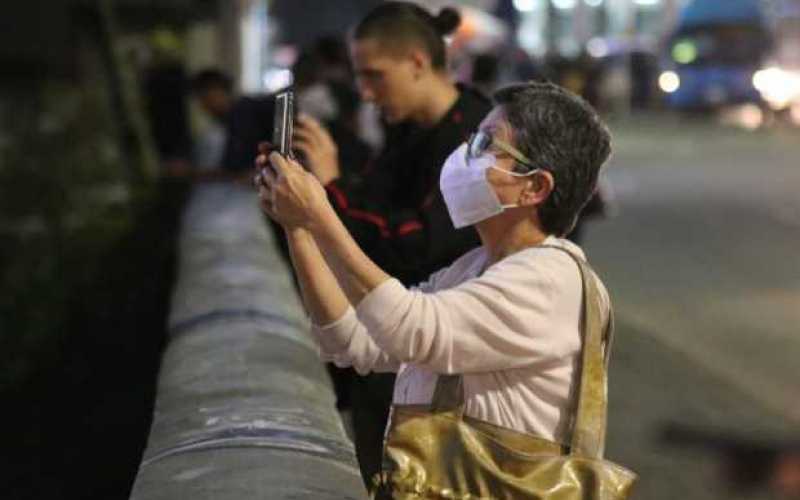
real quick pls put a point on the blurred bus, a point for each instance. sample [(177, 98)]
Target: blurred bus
[(713, 54)]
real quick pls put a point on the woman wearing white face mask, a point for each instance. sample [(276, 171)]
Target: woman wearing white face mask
[(506, 317)]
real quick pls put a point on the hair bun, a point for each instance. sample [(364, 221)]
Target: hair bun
[(447, 21)]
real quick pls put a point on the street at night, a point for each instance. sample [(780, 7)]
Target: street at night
[(701, 260)]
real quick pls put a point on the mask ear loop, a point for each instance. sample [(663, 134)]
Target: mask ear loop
[(515, 174)]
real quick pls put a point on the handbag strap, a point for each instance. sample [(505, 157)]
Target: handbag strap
[(589, 425)]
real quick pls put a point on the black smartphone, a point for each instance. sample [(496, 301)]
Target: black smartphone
[(284, 123)]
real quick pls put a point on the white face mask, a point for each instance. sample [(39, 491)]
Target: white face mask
[(467, 193)]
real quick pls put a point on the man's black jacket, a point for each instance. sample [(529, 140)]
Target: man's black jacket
[(394, 208)]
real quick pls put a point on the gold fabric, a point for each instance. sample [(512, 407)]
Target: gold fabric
[(437, 452)]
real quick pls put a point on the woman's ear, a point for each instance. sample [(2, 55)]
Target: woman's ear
[(537, 189)]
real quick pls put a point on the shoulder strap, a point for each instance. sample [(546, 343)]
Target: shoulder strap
[(449, 394), (589, 427)]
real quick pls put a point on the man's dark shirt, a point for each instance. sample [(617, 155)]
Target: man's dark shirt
[(394, 209)]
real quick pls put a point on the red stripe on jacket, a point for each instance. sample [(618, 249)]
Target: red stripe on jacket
[(340, 199)]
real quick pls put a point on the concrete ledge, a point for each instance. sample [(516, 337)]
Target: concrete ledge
[(244, 407)]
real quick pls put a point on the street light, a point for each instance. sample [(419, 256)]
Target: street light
[(525, 5), (564, 4), (597, 47)]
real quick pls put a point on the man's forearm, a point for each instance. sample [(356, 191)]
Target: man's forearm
[(323, 297)]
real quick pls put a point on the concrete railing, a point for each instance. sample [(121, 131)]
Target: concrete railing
[(244, 408)]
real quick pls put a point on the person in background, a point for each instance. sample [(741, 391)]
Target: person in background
[(323, 92), (786, 474), (392, 206), (208, 144), (749, 463), (486, 72), (164, 85), (247, 120)]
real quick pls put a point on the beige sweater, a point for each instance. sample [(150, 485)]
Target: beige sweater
[(512, 331)]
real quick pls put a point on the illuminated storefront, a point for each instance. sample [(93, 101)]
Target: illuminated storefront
[(567, 27)]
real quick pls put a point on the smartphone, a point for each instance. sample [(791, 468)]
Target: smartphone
[(284, 123)]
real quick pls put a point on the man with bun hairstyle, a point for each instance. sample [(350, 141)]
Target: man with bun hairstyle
[(393, 207)]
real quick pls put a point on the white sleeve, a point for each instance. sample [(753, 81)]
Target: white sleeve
[(345, 343), (522, 311)]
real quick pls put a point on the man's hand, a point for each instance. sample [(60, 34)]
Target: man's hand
[(288, 194), (316, 144)]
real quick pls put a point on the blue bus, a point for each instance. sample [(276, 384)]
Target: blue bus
[(712, 54)]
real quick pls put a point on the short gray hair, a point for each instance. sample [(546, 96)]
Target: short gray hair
[(561, 133)]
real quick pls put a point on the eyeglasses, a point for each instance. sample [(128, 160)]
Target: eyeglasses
[(479, 142)]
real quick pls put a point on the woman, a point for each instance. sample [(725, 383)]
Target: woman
[(393, 207), (505, 315)]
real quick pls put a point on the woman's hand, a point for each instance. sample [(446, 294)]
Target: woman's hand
[(316, 144), (289, 194)]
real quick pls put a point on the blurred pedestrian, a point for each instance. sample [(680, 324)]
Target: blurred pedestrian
[(485, 72), (601, 205), (164, 85), (247, 121), (323, 92), (212, 91), (785, 478), (393, 206), (749, 462)]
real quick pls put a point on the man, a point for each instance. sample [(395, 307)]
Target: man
[(247, 120)]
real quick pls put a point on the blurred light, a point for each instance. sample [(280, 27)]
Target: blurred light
[(780, 88), (284, 56), (669, 82), (252, 26), (568, 47), (277, 78), (529, 39), (564, 4), (530, 33), (479, 32), (166, 41), (647, 3), (593, 3), (684, 52), (597, 47), (525, 5), (748, 116), (752, 116)]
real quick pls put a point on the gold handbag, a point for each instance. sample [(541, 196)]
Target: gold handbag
[(437, 452)]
